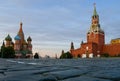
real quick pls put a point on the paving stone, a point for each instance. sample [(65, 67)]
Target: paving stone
[(96, 69), (22, 78), (48, 78), (113, 74), (67, 73), (85, 78)]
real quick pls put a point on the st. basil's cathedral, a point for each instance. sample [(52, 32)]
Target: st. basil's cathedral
[(22, 47)]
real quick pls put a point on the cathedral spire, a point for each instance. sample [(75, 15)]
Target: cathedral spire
[(20, 30), (21, 34), (95, 12)]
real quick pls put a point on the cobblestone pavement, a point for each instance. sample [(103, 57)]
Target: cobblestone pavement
[(96, 69)]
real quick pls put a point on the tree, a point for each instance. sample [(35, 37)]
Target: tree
[(7, 52), (66, 55), (36, 56), (0, 54)]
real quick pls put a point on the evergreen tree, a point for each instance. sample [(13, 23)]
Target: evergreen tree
[(7, 52), (0, 54), (66, 55), (36, 56)]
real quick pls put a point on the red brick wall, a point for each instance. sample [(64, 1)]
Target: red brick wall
[(77, 52), (92, 48), (112, 49)]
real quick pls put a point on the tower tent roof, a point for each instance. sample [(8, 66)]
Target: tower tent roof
[(95, 12), (95, 26)]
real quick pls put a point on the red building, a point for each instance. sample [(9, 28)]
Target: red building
[(95, 45)]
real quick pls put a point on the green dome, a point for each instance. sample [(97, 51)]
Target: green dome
[(8, 38), (29, 39)]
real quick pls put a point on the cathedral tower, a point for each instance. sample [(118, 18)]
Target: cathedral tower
[(95, 33), (17, 43), (21, 34)]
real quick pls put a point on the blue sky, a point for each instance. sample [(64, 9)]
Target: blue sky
[(53, 24)]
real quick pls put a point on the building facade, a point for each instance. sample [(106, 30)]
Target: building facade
[(22, 47), (95, 45)]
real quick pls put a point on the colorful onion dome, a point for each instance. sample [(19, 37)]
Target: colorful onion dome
[(29, 39), (17, 37), (8, 38)]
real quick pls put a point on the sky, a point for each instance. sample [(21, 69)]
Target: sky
[(54, 24)]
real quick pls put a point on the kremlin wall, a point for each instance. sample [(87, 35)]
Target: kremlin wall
[(95, 45)]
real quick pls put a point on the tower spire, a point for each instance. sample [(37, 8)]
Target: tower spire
[(72, 46), (62, 52), (95, 12)]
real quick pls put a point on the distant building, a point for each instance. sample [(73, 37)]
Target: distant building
[(115, 41), (22, 47), (96, 42)]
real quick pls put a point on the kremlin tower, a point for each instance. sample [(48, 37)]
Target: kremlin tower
[(95, 45), (21, 47), (95, 33)]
